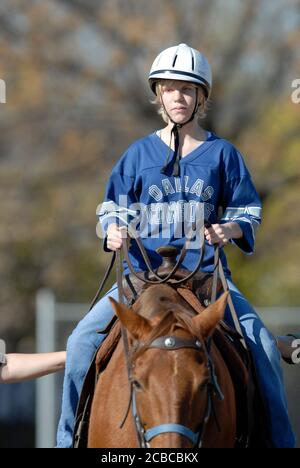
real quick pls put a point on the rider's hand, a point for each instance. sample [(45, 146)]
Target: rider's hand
[(114, 237), (222, 233)]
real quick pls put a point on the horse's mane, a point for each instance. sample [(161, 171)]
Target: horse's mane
[(173, 316)]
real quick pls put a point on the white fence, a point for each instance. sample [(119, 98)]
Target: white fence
[(55, 321)]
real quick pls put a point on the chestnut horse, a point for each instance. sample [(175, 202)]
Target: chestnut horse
[(181, 393)]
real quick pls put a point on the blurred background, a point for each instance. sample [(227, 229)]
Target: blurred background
[(77, 96)]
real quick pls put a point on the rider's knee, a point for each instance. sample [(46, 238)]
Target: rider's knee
[(81, 346), (79, 349), (72, 343)]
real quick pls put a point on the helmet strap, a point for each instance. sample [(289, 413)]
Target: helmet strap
[(175, 131)]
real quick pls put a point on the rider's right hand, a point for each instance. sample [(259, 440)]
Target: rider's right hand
[(114, 237)]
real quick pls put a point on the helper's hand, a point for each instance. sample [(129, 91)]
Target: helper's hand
[(222, 233), (114, 237)]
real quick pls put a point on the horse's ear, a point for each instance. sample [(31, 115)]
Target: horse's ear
[(136, 325), (207, 320)]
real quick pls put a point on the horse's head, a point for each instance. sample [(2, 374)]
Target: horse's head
[(171, 371)]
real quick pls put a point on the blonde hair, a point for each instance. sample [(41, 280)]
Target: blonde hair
[(203, 102)]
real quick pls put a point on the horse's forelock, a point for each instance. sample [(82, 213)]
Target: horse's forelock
[(174, 316)]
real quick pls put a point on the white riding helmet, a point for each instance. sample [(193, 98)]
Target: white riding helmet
[(182, 63)]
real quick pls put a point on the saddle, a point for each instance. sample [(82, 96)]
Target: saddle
[(201, 283)]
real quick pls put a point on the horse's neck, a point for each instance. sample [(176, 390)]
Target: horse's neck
[(109, 406), (116, 368), (224, 412)]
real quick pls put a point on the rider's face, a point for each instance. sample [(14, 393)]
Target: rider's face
[(179, 98)]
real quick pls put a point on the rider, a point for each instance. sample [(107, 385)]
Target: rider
[(159, 183)]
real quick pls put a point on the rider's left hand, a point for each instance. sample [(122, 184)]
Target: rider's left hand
[(222, 233)]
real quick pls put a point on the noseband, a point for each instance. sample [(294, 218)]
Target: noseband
[(170, 343)]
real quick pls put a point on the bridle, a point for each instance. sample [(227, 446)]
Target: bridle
[(170, 343)]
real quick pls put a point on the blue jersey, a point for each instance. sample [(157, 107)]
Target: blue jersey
[(213, 176)]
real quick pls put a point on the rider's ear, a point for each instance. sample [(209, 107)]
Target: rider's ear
[(136, 325), (207, 320)]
